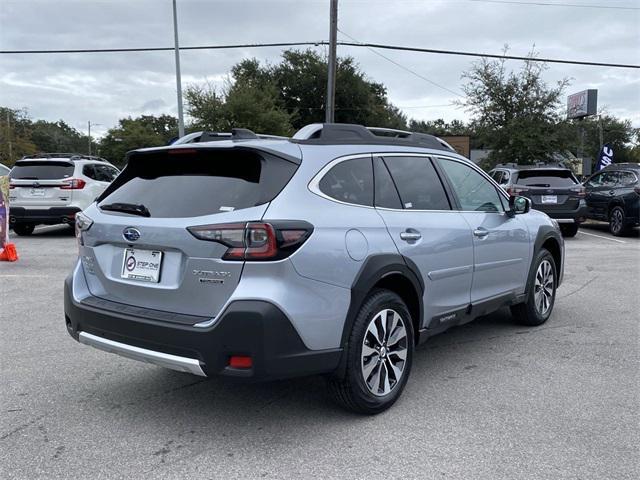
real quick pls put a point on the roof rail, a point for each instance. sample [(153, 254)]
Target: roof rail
[(236, 134), (70, 156), (347, 133)]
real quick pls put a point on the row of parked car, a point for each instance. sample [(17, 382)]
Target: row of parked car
[(51, 188)]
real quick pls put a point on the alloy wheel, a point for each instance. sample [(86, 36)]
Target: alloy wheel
[(384, 352), (616, 220), (544, 288)]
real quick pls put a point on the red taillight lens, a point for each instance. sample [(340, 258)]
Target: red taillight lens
[(256, 240), (73, 184), (240, 361)]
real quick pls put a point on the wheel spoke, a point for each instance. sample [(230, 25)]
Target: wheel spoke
[(386, 386), (373, 331), (400, 353), (368, 368), (396, 336), (367, 351), (397, 372), (374, 384)]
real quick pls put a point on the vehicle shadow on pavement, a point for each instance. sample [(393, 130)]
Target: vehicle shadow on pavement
[(151, 394)]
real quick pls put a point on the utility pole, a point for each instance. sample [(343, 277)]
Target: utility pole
[(9, 135), (331, 76), (178, 79), (89, 134)]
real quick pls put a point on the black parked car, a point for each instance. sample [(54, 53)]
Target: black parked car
[(613, 195), (554, 190)]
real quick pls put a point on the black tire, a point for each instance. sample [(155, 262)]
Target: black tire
[(617, 222), (528, 313), (24, 229), (569, 229), (352, 391)]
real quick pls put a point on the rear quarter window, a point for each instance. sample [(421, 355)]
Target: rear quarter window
[(350, 181), (200, 183), (46, 170)]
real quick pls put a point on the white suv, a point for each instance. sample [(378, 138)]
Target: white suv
[(51, 188)]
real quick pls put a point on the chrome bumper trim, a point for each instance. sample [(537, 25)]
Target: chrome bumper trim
[(174, 362)]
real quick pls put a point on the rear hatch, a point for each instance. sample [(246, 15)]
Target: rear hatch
[(549, 190), (40, 183), (140, 250)]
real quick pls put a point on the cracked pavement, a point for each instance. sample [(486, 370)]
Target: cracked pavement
[(489, 400)]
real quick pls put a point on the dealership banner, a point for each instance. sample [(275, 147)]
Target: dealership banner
[(605, 158)]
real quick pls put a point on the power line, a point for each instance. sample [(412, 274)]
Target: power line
[(413, 72), (546, 4), (323, 42), (165, 49), (487, 55)]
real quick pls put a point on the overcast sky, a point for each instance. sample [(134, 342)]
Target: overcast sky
[(103, 87)]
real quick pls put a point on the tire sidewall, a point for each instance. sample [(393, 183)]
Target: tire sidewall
[(531, 304), (611, 228), (383, 299)]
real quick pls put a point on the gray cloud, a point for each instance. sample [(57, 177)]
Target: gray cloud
[(105, 87)]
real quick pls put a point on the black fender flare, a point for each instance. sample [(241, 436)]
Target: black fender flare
[(374, 269), (545, 232)]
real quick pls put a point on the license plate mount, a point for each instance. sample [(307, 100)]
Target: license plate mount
[(141, 265), (550, 199)]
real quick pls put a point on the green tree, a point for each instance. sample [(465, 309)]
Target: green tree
[(140, 132), (15, 135), (515, 113), (57, 137), (284, 97)]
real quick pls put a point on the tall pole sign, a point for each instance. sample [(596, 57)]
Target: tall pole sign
[(580, 105), (178, 79)]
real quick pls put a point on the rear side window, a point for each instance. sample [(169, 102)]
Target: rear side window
[(418, 183), (546, 178), (47, 170), (627, 178), (105, 173), (200, 183), (350, 181), (386, 195)]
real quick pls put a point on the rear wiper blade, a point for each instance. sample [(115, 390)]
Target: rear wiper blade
[(132, 208)]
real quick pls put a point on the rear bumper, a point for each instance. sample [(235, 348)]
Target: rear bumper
[(578, 215), (252, 328), (49, 216)]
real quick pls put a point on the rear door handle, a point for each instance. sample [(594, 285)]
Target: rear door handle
[(481, 232), (410, 235)]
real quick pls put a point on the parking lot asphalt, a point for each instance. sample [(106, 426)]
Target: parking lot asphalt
[(489, 400)]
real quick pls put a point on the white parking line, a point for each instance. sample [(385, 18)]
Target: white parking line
[(601, 236)]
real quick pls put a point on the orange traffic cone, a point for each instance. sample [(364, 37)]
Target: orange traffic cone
[(9, 254)]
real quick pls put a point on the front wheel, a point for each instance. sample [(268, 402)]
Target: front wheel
[(379, 355), (24, 229), (542, 292), (617, 221)]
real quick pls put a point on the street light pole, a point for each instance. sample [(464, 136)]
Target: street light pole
[(331, 74), (178, 79), (89, 135)]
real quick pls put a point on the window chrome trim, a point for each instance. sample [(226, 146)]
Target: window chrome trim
[(314, 183)]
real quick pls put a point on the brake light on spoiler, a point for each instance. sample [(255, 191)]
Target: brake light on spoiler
[(256, 241)]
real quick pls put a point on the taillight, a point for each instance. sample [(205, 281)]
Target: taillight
[(580, 192), (517, 190), (256, 240), (73, 184), (637, 190), (12, 186), (82, 224)]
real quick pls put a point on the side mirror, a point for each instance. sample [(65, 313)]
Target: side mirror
[(518, 205)]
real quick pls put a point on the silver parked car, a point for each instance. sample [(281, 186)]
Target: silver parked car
[(334, 252)]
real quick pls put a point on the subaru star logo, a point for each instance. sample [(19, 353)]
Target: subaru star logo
[(131, 234)]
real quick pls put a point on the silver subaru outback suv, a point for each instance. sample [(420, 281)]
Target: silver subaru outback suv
[(334, 252)]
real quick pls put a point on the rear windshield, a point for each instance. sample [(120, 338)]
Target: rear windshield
[(47, 170), (199, 183), (546, 178)]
